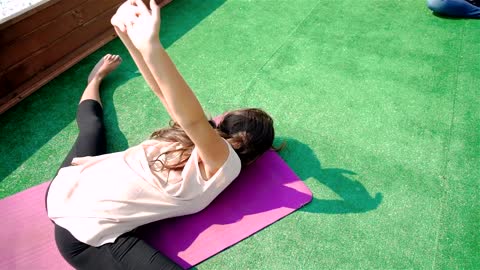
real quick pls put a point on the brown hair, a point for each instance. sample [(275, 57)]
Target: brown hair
[(249, 131)]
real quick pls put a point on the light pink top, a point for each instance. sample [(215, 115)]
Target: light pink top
[(102, 197)]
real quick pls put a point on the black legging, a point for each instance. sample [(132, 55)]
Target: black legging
[(128, 251)]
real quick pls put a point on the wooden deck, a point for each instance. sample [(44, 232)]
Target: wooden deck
[(40, 44)]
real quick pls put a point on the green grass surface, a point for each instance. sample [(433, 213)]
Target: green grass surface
[(378, 101)]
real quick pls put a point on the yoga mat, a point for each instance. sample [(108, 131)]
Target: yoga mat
[(264, 192), (26, 233)]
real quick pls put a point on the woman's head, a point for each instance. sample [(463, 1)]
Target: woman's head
[(249, 131)]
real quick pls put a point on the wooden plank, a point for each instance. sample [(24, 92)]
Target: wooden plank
[(53, 71), (80, 47), (16, 75), (19, 15), (30, 21), (26, 45)]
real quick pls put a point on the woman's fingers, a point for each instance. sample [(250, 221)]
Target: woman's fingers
[(131, 17), (142, 8), (126, 15), (155, 10), (154, 6), (121, 16), (129, 27), (117, 24), (139, 24)]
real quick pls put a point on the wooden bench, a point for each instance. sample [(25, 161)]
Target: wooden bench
[(39, 44)]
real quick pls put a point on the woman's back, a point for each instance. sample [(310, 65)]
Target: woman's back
[(102, 197)]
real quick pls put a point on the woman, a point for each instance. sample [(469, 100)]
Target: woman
[(97, 200)]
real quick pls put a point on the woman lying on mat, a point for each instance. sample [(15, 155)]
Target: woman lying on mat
[(456, 8), (97, 199)]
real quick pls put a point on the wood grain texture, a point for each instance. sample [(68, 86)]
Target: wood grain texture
[(42, 59), (53, 30), (53, 71), (51, 38), (30, 21)]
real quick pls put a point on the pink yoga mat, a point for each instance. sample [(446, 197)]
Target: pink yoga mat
[(263, 193)]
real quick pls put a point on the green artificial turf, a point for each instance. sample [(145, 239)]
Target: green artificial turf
[(377, 101)]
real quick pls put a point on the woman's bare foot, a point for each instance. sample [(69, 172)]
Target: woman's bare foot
[(107, 64)]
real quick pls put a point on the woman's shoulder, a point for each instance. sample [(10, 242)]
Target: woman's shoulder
[(227, 172)]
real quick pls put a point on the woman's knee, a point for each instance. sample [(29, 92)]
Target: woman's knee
[(90, 112), (91, 124)]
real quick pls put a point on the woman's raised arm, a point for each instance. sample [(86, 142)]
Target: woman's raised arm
[(143, 27), (118, 21)]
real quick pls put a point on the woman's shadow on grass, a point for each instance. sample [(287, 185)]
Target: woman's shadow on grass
[(116, 140), (353, 196), (248, 196)]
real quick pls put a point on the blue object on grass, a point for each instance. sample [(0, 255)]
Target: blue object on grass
[(454, 8)]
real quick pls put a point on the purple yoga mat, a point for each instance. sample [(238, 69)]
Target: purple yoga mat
[(263, 193)]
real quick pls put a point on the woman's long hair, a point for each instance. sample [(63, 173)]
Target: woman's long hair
[(249, 131)]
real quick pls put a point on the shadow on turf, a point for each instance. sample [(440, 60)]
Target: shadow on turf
[(354, 196), (32, 123), (116, 140), (443, 16)]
